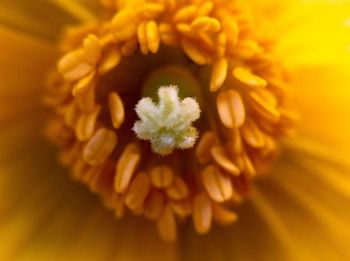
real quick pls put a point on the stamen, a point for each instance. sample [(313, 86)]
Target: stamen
[(217, 184), (152, 35), (185, 29), (162, 176), (138, 191), (154, 205), (167, 34), (71, 114), (74, 65), (86, 100), (218, 75), (182, 208), (111, 59), (167, 224), (125, 171), (92, 49), (207, 141), (142, 38), (205, 9), (178, 189), (116, 108), (252, 135), (100, 146), (83, 85), (168, 125), (86, 124), (202, 213), (248, 165), (185, 13), (265, 105), (124, 24), (205, 23), (221, 43), (222, 215), (126, 166), (194, 52), (231, 108), (222, 159), (129, 48), (152, 10), (248, 78)]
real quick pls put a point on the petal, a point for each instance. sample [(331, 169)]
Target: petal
[(22, 69), (309, 32), (321, 38), (323, 95), (45, 19), (313, 192)]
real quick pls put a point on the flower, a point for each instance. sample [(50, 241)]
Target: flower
[(149, 162)]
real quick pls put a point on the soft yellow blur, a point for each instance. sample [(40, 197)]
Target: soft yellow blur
[(301, 213)]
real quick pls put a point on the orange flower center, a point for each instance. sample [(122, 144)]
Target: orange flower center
[(212, 51)]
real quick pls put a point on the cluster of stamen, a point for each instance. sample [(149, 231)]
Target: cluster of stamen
[(245, 107)]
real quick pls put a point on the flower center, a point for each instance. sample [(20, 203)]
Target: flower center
[(117, 110)]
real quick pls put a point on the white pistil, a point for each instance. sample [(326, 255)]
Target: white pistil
[(168, 124)]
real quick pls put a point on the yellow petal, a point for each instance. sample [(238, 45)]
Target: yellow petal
[(21, 55), (76, 9), (314, 190), (45, 19), (310, 32), (324, 100)]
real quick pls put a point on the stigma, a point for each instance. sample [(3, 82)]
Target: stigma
[(167, 125)]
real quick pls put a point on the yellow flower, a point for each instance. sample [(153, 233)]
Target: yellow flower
[(175, 112)]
